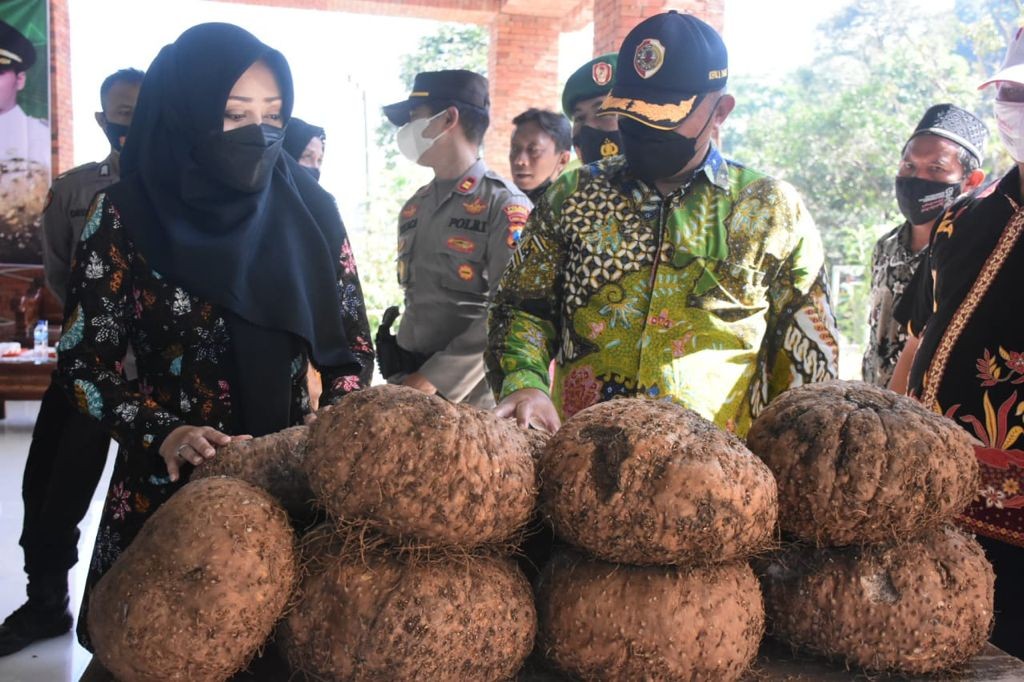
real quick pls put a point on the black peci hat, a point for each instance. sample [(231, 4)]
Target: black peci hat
[(666, 65), (16, 52), (449, 87), (955, 124)]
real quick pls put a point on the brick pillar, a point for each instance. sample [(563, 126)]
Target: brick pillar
[(523, 73), (613, 19), (60, 87)]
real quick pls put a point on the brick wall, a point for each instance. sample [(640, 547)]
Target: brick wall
[(613, 19), (60, 87), (523, 71)]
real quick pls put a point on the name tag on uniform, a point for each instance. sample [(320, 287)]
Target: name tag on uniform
[(468, 224)]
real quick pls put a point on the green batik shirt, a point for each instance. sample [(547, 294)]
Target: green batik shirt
[(714, 297)]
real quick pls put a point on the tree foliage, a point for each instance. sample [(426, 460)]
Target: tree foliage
[(835, 128)]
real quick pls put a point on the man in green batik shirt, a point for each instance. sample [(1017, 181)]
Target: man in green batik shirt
[(668, 272)]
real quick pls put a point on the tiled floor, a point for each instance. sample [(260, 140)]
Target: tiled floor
[(59, 659)]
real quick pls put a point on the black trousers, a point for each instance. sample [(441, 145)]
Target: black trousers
[(65, 462), (1008, 562)]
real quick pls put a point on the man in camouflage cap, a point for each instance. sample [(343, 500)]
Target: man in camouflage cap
[(594, 137)]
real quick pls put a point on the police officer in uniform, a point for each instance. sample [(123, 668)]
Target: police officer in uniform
[(594, 137), (455, 236), (69, 449)]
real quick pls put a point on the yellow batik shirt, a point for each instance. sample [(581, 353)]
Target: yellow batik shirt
[(714, 297)]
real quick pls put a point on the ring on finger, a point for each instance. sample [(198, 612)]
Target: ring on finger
[(181, 448)]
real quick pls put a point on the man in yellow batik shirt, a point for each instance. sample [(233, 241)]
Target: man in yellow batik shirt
[(667, 272)]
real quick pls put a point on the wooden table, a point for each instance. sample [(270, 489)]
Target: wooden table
[(24, 380), (777, 663)]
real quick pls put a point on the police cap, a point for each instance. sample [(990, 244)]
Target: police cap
[(16, 52), (455, 86)]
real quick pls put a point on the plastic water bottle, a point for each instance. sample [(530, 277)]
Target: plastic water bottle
[(41, 339)]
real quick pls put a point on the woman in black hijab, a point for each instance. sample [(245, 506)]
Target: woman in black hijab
[(305, 143), (224, 266)]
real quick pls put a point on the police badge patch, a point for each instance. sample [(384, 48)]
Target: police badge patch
[(601, 72), (648, 58), (475, 207)]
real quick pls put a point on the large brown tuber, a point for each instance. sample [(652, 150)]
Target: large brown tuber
[(368, 616), (860, 464), (421, 469), (272, 462), (915, 608), (602, 621), (644, 482), (199, 589)]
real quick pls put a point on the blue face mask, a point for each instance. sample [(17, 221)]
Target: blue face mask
[(243, 158)]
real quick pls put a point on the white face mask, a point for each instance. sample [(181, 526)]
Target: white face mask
[(410, 138), (1010, 120)]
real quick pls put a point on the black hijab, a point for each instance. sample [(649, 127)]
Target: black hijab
[(299, 134), (269, 257)]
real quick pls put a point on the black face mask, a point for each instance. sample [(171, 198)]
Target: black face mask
[(116, 134), (921, 201), (242, 158), (593, 144), (654, 154), (315, 172)]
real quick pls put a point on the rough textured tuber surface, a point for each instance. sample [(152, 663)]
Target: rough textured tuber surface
[(199, 590), (915, 608), (860, 464), (273, 462), (422, 469), (602, 621), (384, 618), (644, 482)]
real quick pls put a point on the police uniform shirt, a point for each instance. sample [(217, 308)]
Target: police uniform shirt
[(24, 137), (64, 217), (453, 244)]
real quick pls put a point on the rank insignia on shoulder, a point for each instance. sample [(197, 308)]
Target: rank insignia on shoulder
[(475, 207), (466, 272), (466, 185), (516, 214), (460, 245), (409, 211)]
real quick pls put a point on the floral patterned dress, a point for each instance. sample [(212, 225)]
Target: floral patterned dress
[(181, 346)]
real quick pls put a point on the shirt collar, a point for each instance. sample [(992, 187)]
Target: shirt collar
[(715, 169)]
